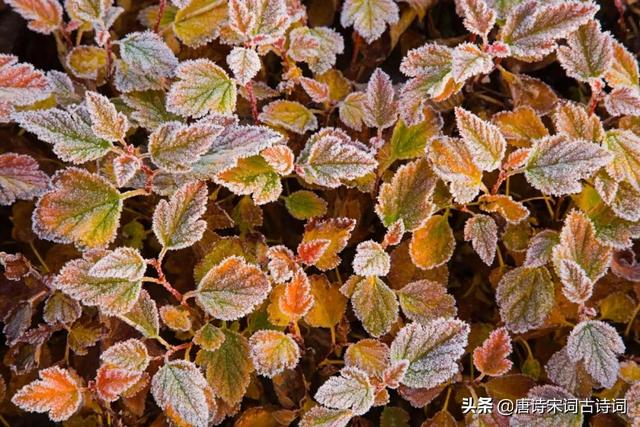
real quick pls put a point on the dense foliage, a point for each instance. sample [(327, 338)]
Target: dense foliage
[(363, 212)]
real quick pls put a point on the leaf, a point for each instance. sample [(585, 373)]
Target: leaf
[(491, 357), (572, 120), (433, 243), (81, 207), (369, 355), (375, 305), (254, 176), (424, 300), (529, 91), (546, 393), (319, 416), (198, 22), (568, 374), (289, 115), (624, 68), (453, 162), (245, 64), (369, 17), (112, 295), (60, 308), (87, 62), (580, 259), (304, 204), (380, 106), (330, 305), (202, 88), (68, 130), (514, 212), (122, 263), (112, 382), (478, 17), (20, 178), (525, 297), (57, 392), (209, 337), (177, 318), (228, 368), (180, 388), (21, 84), (125, 167), (625, 146), (83, 335), (144, 316), (175, 147), (317, 46), (149, 108), (44, 16), (521, 126), (91, 11), (330, 158), (408, 197), (130, 79), (281, 263), (131, 355), (351, 390), (371, 260), (556, 165), (483, 139), (469, 61), (258, 22), (351, 110), (588, 54), (482, 231), (177, 223), (541, 248), (337, 231), (432, 350), (597, 345), (147, 52), (232, 289), (297, 300), (531, 28), (272, 352), (623, 101)]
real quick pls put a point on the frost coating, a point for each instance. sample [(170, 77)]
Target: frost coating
[(371, 260), (483, 139), (20, 178), (123, 263), (272, 352), (351, 390), (482, 231)]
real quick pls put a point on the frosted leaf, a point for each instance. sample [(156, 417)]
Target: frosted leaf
[(369, 17), (176, 318), (281, 263), (432, 349), (430, 60), (393, 375), (317, 46), (111, 294), (623, 101), (351, 390), (547, 393), (491, 357), (529, 91), (21, 84), (121, 263), (580, 259), (525, 297), (483, 139), (254, 176), (125, 167), (272, 352), (556, 164), (432, 244), (478, 17), (521, 126), (625, 146), (197, 22), (81, 207), (148, 52), (106, 122), (317, 91), (144, 316), (131, 79), (566, 373), (61, 308), (574, 121), (469, 61), (202, 87), (57, 392), (92, 11), (532, 28), (304, 204), (370, 355), (130, 354), (69, 131), (175, 147), (380, 106), (423, 301), (624, 68), (351, 110), (375, 305), (177, 223), (280, 158), (514, 212), (20, 178), (408, 197), (588, 54), (319, 416), (482, 231), (541, 248), (148, 108), (297, 300), (394, 234), (234, 143), (331, 157), (179, 387), (597, 345), (371, 260), (245, 64), (257, 22), (209, 337), (232, 289), (289, 115), (44, 16), (452, 160), (632, 396), (330, 305), (626, 203), (111, 382), (337, 231), (503, 7)]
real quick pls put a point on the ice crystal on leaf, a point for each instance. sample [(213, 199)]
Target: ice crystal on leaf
[(209, 337), (453, 161), (521, 126), (468, 61), (111, 382), (423, 301), (624, 68), (255, 176), (319, 416), (625, 146), (375, 305), (57, 392), (106, 122), (351, 390), (232, 289), (369, 17), (280, 158), (514, 212), (44, 16), (588, 54), (281, 263), (568, 374), (548, 419), (482, 231), (122, 263), (432, 350), (20, 178), (351, 110), (478, 17), (573, 121), (317, 46), (297, 300), (337, 231), (369, 355), (433, 243), (130, 354), (540, 248), (149, 53), (329, 306), (256, 22), (491, 357), (371, 260), (125, 167), (597, 345), (197, 22), (272, 352), (623, 101), (176, 318), (245, 64), (310, 252), (144, 316), (59, 307), (483, 139), (380, 106), (20, 85)]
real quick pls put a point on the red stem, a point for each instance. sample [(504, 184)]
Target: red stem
[(252, 100), (163, 5)]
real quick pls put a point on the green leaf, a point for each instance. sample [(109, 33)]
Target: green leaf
[(304, 204), (144, 316), (375, 305)]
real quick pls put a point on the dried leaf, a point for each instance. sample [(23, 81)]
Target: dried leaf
[(572, 120), (330, 305), (44, 16), (491, 357), (20, 178), (520, 127)]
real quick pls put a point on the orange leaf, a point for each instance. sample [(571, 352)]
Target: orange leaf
[(296, 301), (491, 357), (111, 382)]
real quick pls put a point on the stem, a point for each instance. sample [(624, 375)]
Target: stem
[(134, 193), (627, 330), (163, 342), (252, 100), (163, 5), (549, 208), (446, 399), (175, 349), (162, 280), (40, 259)]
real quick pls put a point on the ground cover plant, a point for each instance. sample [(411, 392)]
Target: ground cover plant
[(320, 213)]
